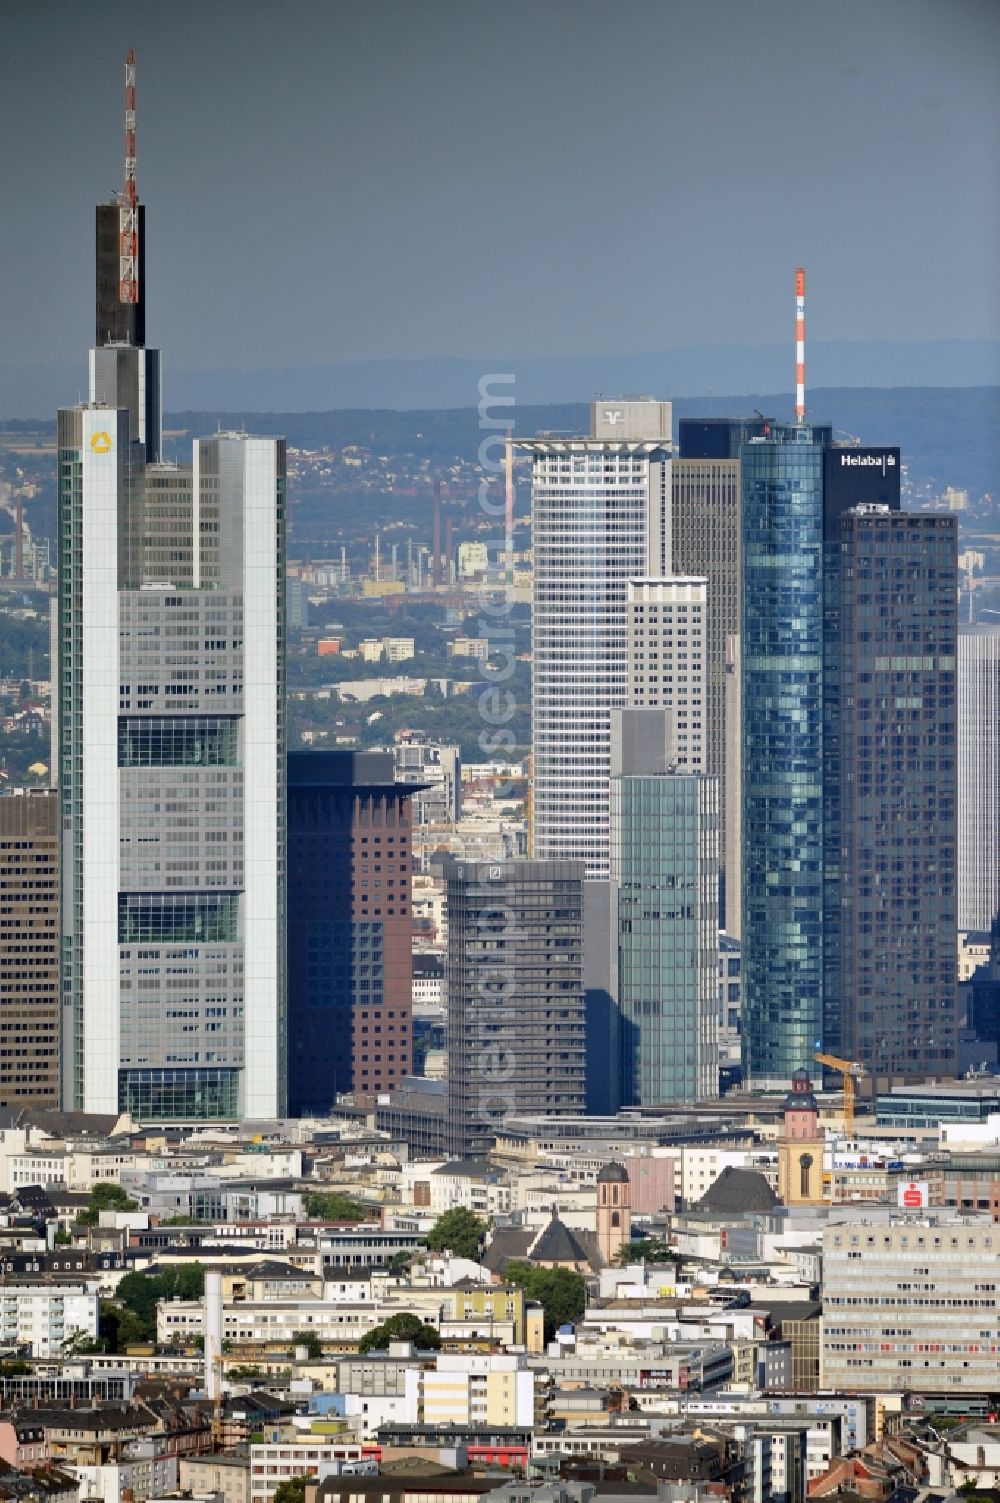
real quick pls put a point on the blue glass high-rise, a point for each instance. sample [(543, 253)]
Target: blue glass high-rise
[(782, 749)]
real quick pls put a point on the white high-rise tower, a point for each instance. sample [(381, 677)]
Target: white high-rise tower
[(600, 505), (667, 624)]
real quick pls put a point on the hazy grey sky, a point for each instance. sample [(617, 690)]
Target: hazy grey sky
[(374, 178)]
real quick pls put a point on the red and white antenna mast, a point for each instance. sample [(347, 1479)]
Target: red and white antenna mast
[(128, 204), (800, 344)]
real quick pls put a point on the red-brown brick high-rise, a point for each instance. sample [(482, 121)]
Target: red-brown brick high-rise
[(349, 927)]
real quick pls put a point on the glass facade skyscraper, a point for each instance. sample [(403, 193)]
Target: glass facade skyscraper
[(848, 762), (782, 749), (349, 927), (664, 916)]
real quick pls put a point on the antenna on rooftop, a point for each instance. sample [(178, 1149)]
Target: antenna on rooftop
[(128, 206), (800, 344)]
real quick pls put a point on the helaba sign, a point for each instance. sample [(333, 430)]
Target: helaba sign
[(853, 476), (881, 459)]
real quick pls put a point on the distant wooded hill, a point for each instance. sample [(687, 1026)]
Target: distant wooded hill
[(948, 435)]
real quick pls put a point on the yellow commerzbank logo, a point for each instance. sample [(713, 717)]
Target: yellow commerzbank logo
[(101, 443)]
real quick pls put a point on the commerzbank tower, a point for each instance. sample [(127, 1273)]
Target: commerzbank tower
[(168, 727)]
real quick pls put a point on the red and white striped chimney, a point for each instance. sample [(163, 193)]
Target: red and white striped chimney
[(800, 344)]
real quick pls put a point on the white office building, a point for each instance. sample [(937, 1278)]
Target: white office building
[(666, 662), (596, 502), (911, 1306), (978, 775), (476, 1389), (47, 1318)]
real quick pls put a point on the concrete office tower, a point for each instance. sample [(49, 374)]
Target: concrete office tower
[(664, 916), (596, 502), (896, 815), (349, 927), (877, 1325), (516, 1027), (782, 750), (665, 645), (705, 540), (171, 773), (978, 775), (29, 948), (436, 772), (852, 478)]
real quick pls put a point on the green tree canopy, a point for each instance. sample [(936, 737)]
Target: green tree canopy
[(105, 1196), (647, 1250), (311, 1342), (561, 1293), (132, 1317), (458, 1231), (331, 1205), (293, 1490), (402, 1327)]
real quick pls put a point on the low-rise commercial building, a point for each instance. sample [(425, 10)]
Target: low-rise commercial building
[(226, 1476)]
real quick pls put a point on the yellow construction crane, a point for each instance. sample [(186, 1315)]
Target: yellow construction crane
[(851, 1071)]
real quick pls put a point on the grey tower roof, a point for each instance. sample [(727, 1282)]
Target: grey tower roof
[(738, 1190), (558, 1243), (613, 1173)]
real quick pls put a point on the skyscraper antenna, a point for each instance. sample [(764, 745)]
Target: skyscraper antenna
[(800, 344), (128, 206)]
